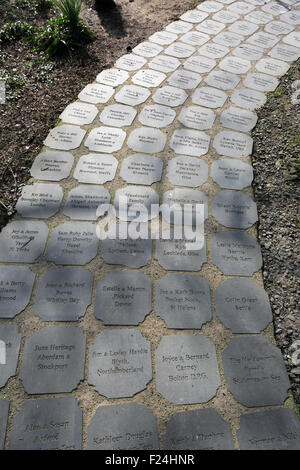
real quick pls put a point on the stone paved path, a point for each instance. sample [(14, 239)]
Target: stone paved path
[(120, 344)]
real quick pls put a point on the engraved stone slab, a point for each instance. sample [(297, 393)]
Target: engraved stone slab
[(269, 430), (249, 99), (183, 301), (209, 97), (4, 407), (123, 298), (241, 8), (264, 40), (23, 241), (105, 139), (180, 50), (225, 16), (272, 66), (179, 27), (210, 6), (16, 283), (132, 95), (112, 77), (184, 79), (213, 51), (194, 38), (84, 202), (278, 28), (228, 38), (147, 140), (181, 197), (255, 372), (187, 171), (170, 96), (261, 82), (40, 200), (238, 119), (234, 209), (194, 16), (63, 294), (222, 80), (190, 142), (53, 360), (248, 52), (210, 27), (147, 49), (291, 17), (198, 429), (293, 39), (47, 424), (285, 52), (120, 363), (232, 174), (259, 17), (96, 169), (130, 253), (242, 306), (79, 113), (164, 63), (235, 65), (96, 94), (10, 340), (199, 64), (174, 255), (127, 426), (130, 62), (141, 203), (233, 144), (274, 8), (148, 78), (141, 169), (243, 27), (236, 253), (118, 115), (187, 369), (197, 117), (52, 166), (73, 243), (163, 38), (157, 116), (65, 137)]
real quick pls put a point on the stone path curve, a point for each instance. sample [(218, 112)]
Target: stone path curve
[(110, 345)]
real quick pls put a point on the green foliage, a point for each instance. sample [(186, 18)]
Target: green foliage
[(70, 11), (13, 31)]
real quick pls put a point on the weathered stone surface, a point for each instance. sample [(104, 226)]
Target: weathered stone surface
[(105, 139), (278, 28), (242, 306), (209, 97), (141, 169), (236, 253), (79, 113), (73, 243), (241, 8), (243, 27), (23, 241), (232, 174), (255, 372), (272, 66), (164, 63), (180, 50), (132, 95), (183, 301), (263, 40), (235, 65), (130, 62), (213, 51), (127, 426), (112, 77), (123, 298), (190, 142), (4, 407), (238, 119), (277, 429), (210, 6), (130, 253), (274, 8), (63, 294), (197, 117), (148, 78), (53, 360), (184, 79), (147, 49), (248, 51), (39, 200), (118, 115), (96, 169), (96, 94), (228, 38), (261, 82), (179, 27), (120, 363), (187, 171), (186, 369), (47, 424), (285, 52), (147, 140), (52, 166), (225, 16), (199, 64), (291, 17), (249, 99), (170, 96), (195, 38), (10, 340), (182, 196), (157, 116), (141, 203), (234, 209), (163, 38), (210, 27), (233, 144), (259, 17), (198, 429), (174, 255), (16, 283), (65, 137), (222, 80), (194, 16)]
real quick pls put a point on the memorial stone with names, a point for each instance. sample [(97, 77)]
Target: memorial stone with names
[(112, 77), (147, 49), (228, 39), (243, 27), (195, 38), (147, 140), (141, 202), (174, 255), (210, 6), (209, 97), (16, 283), (96, 169), (52, 166), (148, 78), (285, 52), (263, 40), (194, 16), (272, 66), (128, 252), (179, 27), (199, 64), (213, 51), (141, 169), (190, 142), (278, 28), (233, 144), (10, 340), (130, 62), (164, 63), (184, 197), (248, 52), (184, 79), (210, 27), (225, 16), (180, 50), (105, 139), (259, 17), (39, 200), (157, 116), (117, 115), (96, 93), (232, 174), (132, 95), (238, 119), (234, 209), (261, 82), (163, 38), (249, 99), (235, 65), (187, 171), (65, 137), (222, 80), (170, 96), (197, 117), (79, 113)]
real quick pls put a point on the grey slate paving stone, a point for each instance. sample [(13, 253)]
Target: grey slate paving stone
[(105, 139), (240, 8), (187, 171), (4, 407), (274, 8), (184, 79), (126, 426), (228, 38), (52, 166), (209, 97), (117, 115), (120, 363), (243, 27), (63, 294), (47, 424), (186, 369), (210, 6), (147, 49), (16, 283), (235, 65), (238, 119), (123, 298), (73, 243), (199, 64), (213, 51), (277, 429), (53, 360), (130, 253), (234, 209), (272, 66), (163, 38), (147, 140), (39, 200), (255, 372), (174, 255), (222, 80), (249, 99), (232, 174), (170, 96), (190, 142), (130, 62), (65, 137), (242, 306), (291, 17), (278, 28), (23, 241), (180, 50), (79, 113), (210, 27), (198, 429), (183, 301), (112, 77), (132, 95), (164, 63), (179, 27), (195, 38), (233, 144), (197, 117), (293, 39), (248, 52), (96, 93), (285, 52), (140, 201), (10, 340), (225, 16), (182, 196), (141, 169), (259, 17), (194, 16), (96, 169), (261, 82), (236, 253), (263, 40), (157, 116), (148, 78)]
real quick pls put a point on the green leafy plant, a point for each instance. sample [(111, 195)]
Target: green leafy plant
[(17, 30)]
